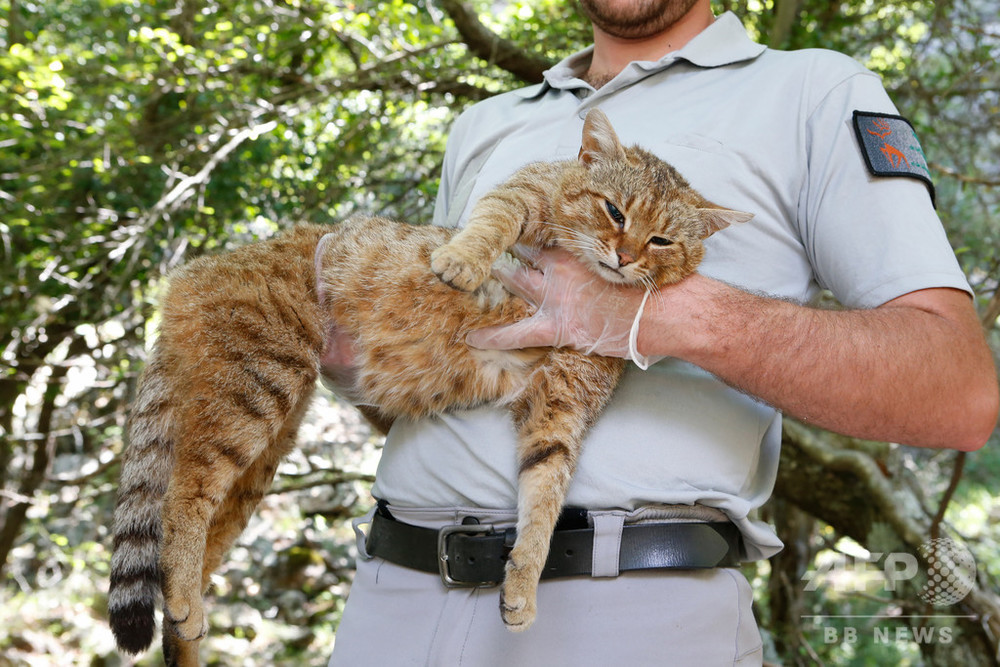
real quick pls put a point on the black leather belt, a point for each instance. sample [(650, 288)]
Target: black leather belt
[(473, 554)]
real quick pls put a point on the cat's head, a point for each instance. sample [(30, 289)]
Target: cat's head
[(631, 216)]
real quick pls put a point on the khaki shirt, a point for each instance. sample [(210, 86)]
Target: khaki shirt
[(753, 129)]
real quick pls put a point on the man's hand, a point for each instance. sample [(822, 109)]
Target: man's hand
[(915, 370), (337, 367), (338, 363), (575, 308)]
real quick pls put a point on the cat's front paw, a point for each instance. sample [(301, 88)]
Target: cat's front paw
[(187, 615), (518, 598), (458, 269)]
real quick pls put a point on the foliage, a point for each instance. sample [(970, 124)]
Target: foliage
[(136, 135)]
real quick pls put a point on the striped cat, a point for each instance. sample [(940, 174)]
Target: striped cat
[(242, 333)]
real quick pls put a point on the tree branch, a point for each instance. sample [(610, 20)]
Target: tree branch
[(844, 487), (320, 478), (492, 48), (963, 178), (15, 516)]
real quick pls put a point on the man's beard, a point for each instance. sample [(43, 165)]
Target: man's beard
[(635, 19)]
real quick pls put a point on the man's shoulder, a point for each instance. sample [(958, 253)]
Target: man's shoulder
[(503, 103), (814, 74), (818, 65)]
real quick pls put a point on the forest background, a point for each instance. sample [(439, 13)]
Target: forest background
[(137, 135)]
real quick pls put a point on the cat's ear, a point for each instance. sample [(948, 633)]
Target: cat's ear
[(599, 139), (715, 218)]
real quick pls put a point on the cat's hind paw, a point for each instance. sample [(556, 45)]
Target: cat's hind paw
[(456, 269), (518, 599), (187, 616)]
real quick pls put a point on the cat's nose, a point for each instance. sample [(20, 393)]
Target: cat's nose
[(624, 259)]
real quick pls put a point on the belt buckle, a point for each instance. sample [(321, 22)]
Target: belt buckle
[(442, 549)]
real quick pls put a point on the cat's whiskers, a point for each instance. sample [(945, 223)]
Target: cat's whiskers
[(648, 285), (564, 228), (579, 245), (574, 235), (573, 231)]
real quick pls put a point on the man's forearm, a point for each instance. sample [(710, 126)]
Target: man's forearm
[(915, 370)]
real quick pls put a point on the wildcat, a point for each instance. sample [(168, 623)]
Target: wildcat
[(236, 363)]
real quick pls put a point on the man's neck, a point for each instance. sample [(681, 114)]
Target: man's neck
[(612, 54)]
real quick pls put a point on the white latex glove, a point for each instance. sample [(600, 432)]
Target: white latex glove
[(337, 367), (575, 308), (338, 364)]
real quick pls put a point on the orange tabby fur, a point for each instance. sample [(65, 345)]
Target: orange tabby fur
[(242, 333)]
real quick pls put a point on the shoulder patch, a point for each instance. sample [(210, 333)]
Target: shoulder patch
[(890, 147)]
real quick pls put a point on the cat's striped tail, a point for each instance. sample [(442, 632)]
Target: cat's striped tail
[(145, 474)]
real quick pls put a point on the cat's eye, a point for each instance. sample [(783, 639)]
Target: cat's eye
[(660, 241), (615, 214)]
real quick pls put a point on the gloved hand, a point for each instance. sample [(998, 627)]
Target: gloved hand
[(575, 308), (338, 365)]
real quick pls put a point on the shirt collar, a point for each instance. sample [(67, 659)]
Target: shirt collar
[(725, 42)]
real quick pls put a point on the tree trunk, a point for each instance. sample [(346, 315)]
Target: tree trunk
[(858, 489), (784, 585), (786, 12)]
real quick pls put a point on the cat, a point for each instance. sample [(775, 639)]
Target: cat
[(241, 335)]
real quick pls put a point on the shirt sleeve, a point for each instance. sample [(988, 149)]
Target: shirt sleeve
[(448, 170), (869, 238)]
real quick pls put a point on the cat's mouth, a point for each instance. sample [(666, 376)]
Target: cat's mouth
[(616, 275)]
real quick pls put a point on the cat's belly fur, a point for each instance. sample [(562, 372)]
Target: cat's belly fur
[(409, 328)]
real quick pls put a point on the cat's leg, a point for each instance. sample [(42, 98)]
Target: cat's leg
[(227, 524), (563, 399), (465, 261), (211, 464), (220, 437), (178, 652), (246, 493)]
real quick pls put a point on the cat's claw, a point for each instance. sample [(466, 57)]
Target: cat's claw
[(459, 272), (517, 600), (517, 613)]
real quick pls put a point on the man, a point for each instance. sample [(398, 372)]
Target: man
[(756, 130)]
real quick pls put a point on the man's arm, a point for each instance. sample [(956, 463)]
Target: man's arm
[(915, 370)]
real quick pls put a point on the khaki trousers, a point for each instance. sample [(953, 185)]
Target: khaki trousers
[(397, 616)]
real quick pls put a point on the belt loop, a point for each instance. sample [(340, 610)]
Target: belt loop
[(360, 538), (607, 543)]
